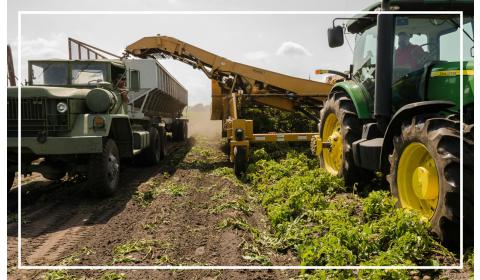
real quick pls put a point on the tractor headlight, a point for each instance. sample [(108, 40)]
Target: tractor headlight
[(62, 107)]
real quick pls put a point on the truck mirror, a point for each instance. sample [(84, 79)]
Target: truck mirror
[(335, 36), (134, 80)]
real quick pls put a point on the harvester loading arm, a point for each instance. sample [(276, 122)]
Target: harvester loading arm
[(234, 85), (257, 85)]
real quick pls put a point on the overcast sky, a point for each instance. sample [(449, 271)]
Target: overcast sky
[(290, 44)]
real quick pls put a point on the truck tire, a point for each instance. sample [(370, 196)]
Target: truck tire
[(152, 155), (104, 170), (185, 130), (240, 160), (425, 175), (163, 141), (176, 131), (10, 179), (340, 126)]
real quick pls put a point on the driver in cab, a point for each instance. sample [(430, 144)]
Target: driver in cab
[(408, 55)]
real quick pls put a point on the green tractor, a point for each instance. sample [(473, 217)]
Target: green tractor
[(399, 111)]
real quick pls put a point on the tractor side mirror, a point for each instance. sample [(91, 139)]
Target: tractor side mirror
[(335, 36)]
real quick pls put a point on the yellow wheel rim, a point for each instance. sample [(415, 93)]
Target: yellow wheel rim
[(332, 155), (417, 180)]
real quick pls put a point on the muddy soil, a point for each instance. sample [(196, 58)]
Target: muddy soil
[(188, 210), (177, 213)]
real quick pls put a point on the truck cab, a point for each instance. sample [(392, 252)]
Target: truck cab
[(85, 116)]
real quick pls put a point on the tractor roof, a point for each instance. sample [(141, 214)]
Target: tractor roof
[(360, 21)]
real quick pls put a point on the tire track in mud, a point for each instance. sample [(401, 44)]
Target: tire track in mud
[(58, 216)]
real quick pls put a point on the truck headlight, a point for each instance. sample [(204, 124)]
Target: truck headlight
[(62, 107)]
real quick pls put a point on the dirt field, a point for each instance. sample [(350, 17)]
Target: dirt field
[(167, 214), (185, 211)]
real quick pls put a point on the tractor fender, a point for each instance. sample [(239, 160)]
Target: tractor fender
[(360, 98), (407, 112)]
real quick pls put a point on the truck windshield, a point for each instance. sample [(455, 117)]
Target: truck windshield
[(49, 73), (88, 73)]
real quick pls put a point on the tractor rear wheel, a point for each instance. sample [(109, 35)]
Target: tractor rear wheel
[(339, 128), (425, 175)]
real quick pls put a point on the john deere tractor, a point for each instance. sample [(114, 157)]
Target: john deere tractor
[(398, 112)]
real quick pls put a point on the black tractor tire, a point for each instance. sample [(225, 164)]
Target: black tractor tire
[(341, 105), (152, 155), (441, 137), (104, 170), (10, 179), (240, 160)]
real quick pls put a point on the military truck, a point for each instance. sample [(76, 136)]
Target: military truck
[(87, 116)]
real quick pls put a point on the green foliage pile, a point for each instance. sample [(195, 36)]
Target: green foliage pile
[(312, 214), (271, 119)]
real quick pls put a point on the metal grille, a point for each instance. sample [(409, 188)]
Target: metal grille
[(38, 114)]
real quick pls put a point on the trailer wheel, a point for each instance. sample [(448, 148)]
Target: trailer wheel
[(163, 141), (240, 160), (340, 127), (104, 170), (185, 130), (177, 131), (10, 179), (153, 153), (425, 175)]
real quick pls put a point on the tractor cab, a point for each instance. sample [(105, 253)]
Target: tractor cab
[(423, 47)]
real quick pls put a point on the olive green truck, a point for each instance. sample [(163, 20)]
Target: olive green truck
[(86, 117)]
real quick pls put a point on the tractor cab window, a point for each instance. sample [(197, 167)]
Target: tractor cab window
[(364, 58), (88, 73), (48, 73)]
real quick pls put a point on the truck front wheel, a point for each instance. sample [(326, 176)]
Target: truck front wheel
[(104, 170)]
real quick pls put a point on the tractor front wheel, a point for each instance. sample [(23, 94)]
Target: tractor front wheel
[(339, 128)]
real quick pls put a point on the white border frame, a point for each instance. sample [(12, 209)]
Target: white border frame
[(215, 267)]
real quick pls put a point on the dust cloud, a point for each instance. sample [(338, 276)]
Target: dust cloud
[(199, 123)]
